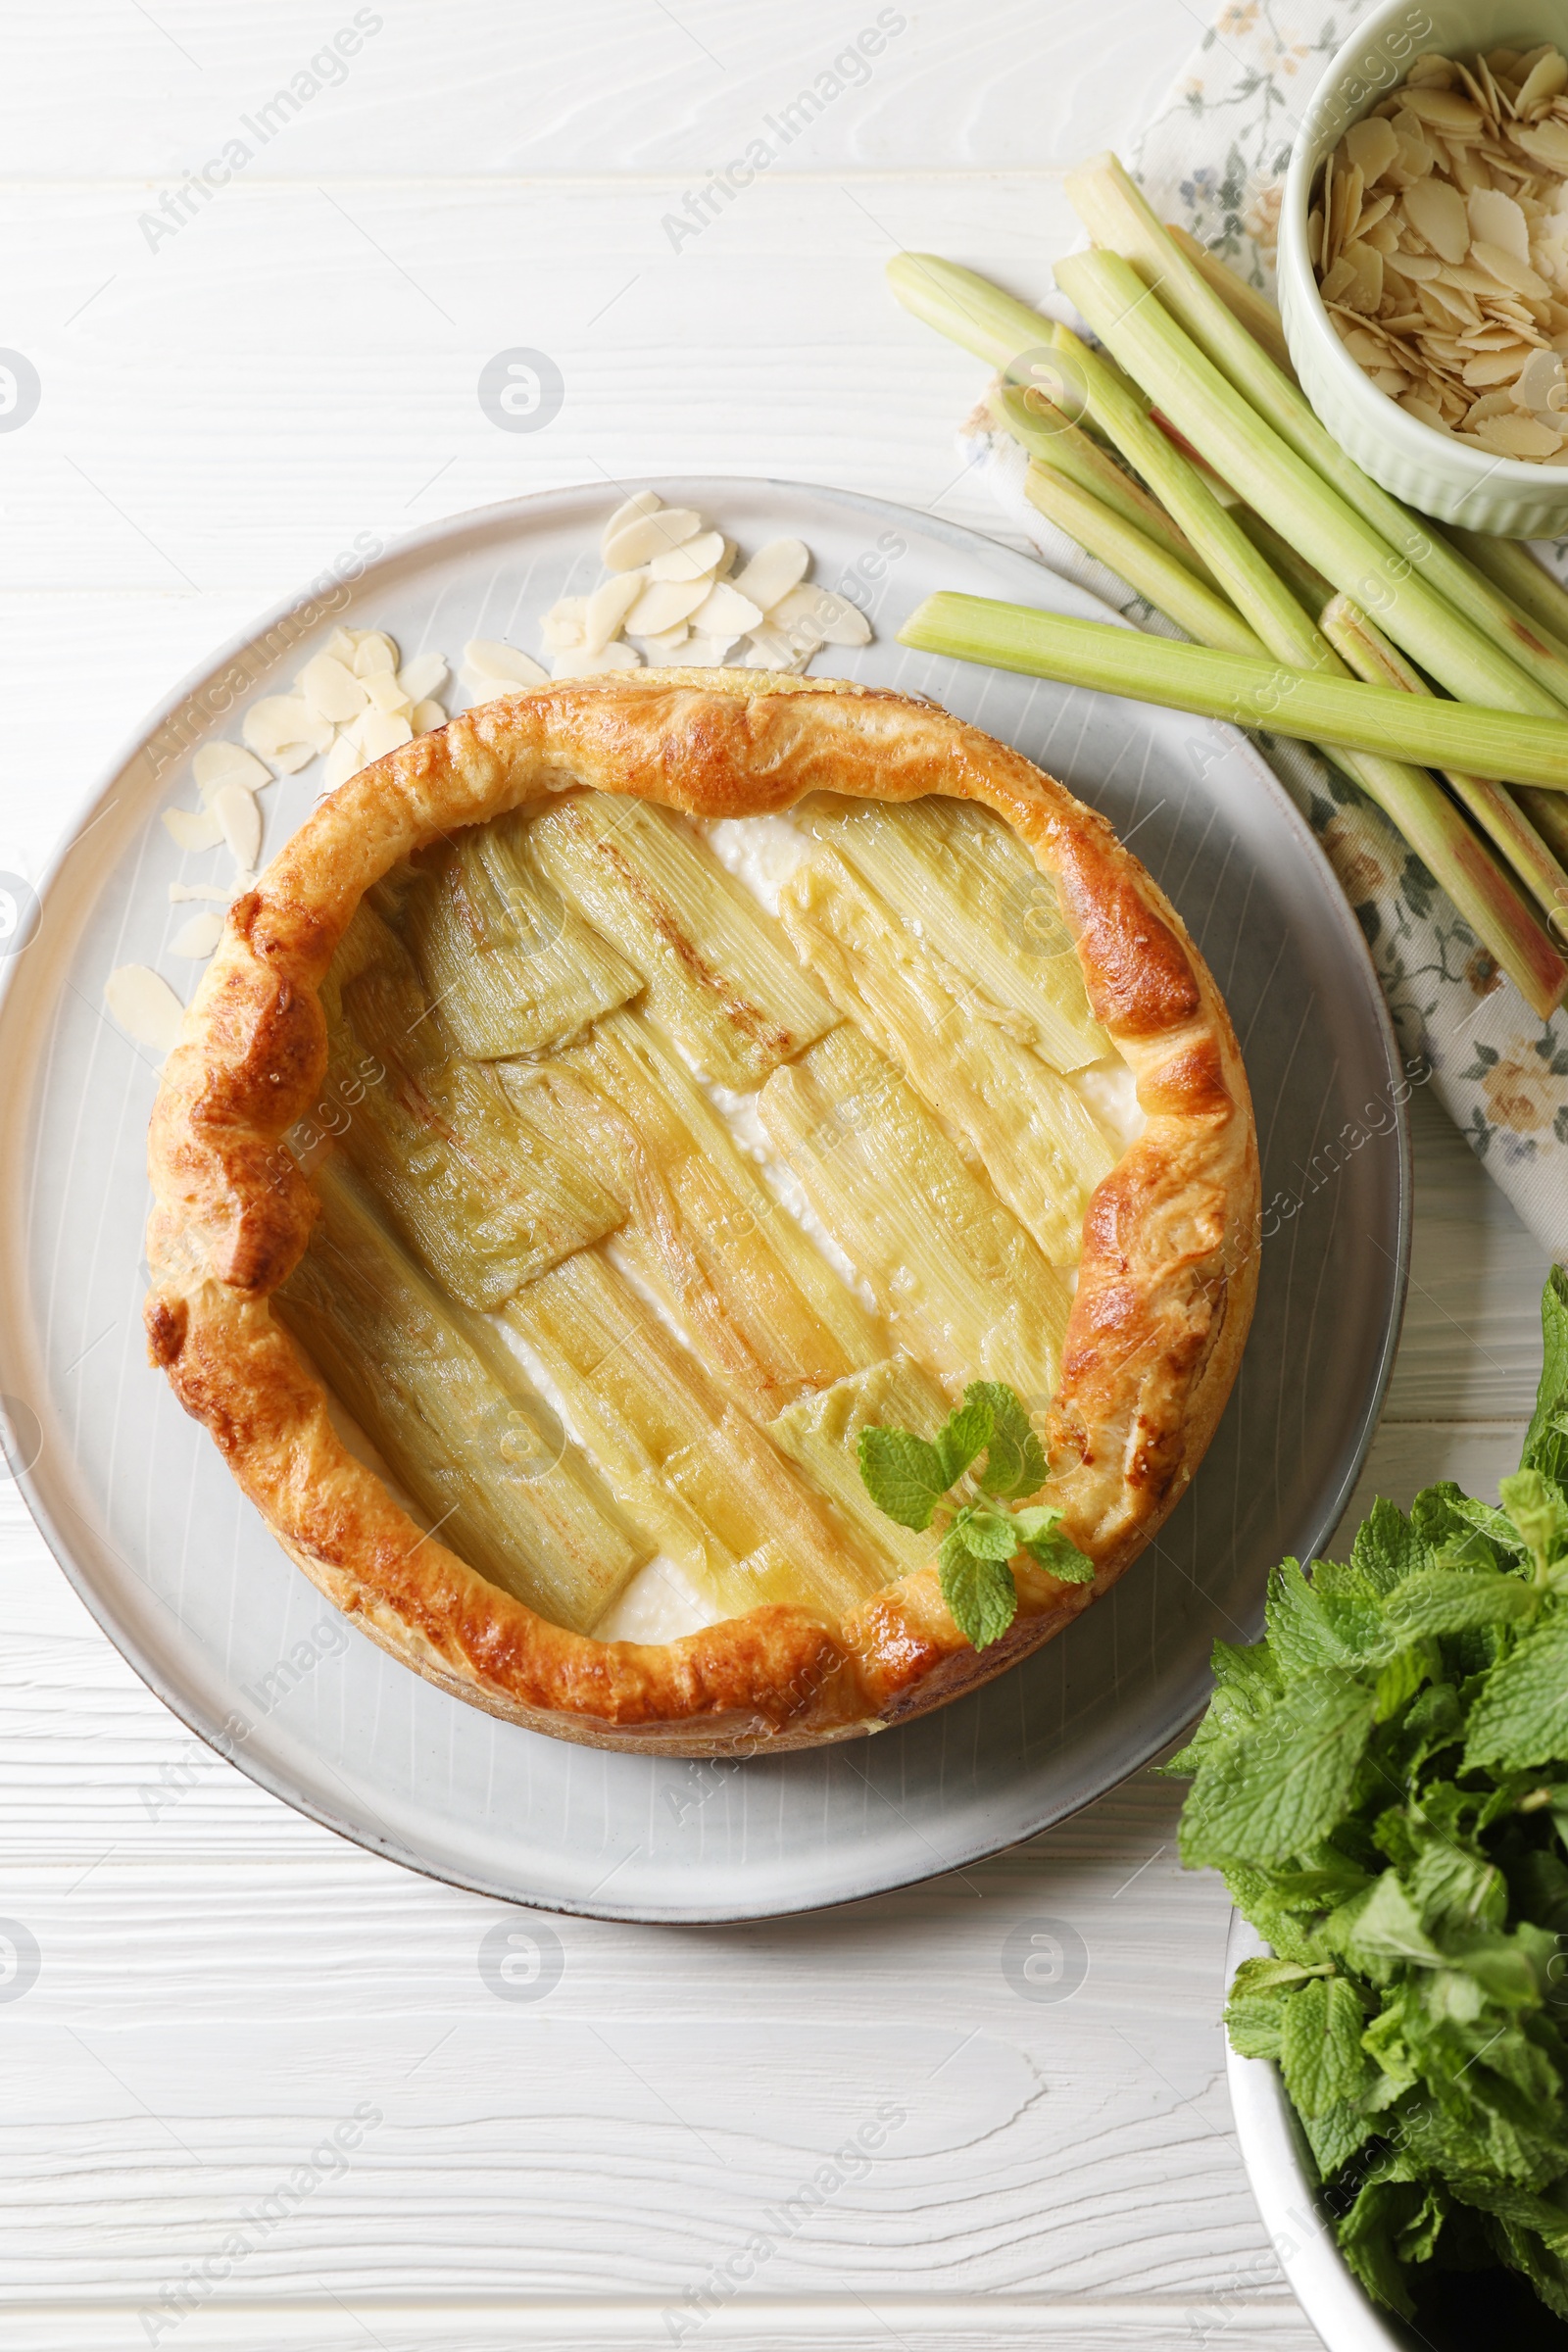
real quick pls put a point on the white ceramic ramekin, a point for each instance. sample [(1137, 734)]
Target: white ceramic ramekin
[(1502, 496)]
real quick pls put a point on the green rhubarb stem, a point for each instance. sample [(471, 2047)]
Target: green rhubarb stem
[(1076, 381), (1203, 407), (1117, 215), (1251, 692), (1245, 690), (1547, 811), (1245, 577), (1528, 587), (1245, 303), (1494, 807), (1156, 574), (1309, 588), (1050, 437)]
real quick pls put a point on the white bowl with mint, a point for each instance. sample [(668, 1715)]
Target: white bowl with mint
[(1383, 1781)]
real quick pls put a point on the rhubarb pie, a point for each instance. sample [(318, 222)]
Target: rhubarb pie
[(607, 1108)]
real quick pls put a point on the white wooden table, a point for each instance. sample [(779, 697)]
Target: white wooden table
[(222, 407)]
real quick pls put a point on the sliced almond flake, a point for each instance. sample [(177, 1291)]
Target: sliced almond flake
[(1545, 78), (385, 691), (1372, 147), (481, 687), (330, 688), (227, 763), (285, 731), (426, 716), (1518, 437), (1541, 384), (181, 894), (663, 653), (583, 664), (374, 652), (1491, 337), (422, 675), (1496, 220), (1545, 143), (562, 625), (1416, 157), (237, 812), (666, 641), (1337, 279), (1421, 409), (838, 621), (640, 504), (663, 602), (1510, 271), (1391, 381), (1419, 267), (1439, 212), (692, 562), (193, 828), (340, 645), (1430, 70), (1494, 366), (501, 660), (343, 761), (1443, 111), (725, 612), (1314, 237), (1365, 290), (196, 940), (1471, 87), (383, 731), (145, 1007), (705, 652), (774, 571), (607, 608), (1347, 204), (774, 646), (649, 535)]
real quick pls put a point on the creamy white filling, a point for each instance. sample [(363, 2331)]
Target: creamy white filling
[(1110, 1091), (660, 1604)]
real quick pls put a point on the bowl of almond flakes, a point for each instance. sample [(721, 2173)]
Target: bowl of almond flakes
[(1423, 264)]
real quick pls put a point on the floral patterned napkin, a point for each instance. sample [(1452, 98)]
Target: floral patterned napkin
[(1215, 158)]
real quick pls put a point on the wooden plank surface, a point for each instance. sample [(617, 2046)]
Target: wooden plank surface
[(220, 1984)]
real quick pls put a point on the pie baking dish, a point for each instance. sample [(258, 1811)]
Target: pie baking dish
[(1153, 1328)]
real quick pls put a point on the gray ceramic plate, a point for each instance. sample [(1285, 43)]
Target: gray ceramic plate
[(185, 1579)]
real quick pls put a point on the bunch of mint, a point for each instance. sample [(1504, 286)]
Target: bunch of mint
[(1384, 1783), (920, 1480)]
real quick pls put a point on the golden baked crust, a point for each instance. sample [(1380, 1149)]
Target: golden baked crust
[(1165, 1287)]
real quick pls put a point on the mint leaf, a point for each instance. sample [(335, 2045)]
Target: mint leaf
[(1015, 1461), (1432, 1516), (1438, 1600), (903, 1476), (1521, 1716), (980, 1592), (1539, 1512), (1246, 1685), (989, 1535), (1386, 1925), (1282, 1787), (1039, 1533), (1400, 1679), (1543, 1445), (1320, 2046), (1386, 1547), (966, 1433)]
